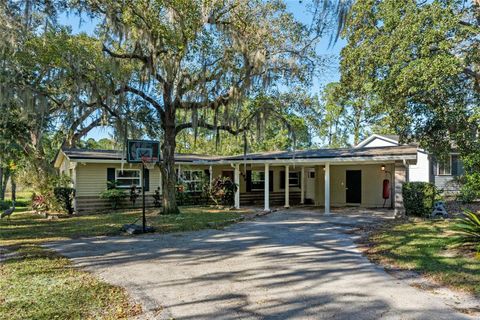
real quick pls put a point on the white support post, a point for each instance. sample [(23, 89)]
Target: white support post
[(287, 186), (302, 186), (236, 179), (210, 171), (74, 185), (267, 188), (327, 188)]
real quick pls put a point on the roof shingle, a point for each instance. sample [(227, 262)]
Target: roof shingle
[(274, 155)]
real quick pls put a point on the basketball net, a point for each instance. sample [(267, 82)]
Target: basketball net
[(148, 162)]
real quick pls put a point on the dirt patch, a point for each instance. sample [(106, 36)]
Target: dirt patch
[(457, 207)]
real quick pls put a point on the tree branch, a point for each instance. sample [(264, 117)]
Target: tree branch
[(148, 61), (202, 124), (144, 59), (144, 96), (471, 73), (78, 135), (110, 110)]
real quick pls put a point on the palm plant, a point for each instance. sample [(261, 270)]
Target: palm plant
[(468, 229)]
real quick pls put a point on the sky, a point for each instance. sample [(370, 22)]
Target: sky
[(329, 73)]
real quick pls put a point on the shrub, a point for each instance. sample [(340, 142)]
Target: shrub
[(223, 191), (114, 196), (157, 198), (40, 203), (64, 196), (419, 198), (4, 205), (182, 195), (470, 187), (468, 228), (134, 194)]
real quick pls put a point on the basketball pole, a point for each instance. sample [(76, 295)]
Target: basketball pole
[(144, 219)]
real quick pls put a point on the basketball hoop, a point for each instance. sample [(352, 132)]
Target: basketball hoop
[(149, 162)]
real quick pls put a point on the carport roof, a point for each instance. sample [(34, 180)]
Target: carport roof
[(329, 153), (342, 154)]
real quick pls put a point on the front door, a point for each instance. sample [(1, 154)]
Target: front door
[(354, 186), (310, 188)]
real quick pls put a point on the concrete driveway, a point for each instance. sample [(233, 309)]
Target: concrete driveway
[(294, 264)]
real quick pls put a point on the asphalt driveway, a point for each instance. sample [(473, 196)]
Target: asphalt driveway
[(295, 264)]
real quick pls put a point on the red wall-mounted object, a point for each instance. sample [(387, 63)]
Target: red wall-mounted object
[(386, 189)]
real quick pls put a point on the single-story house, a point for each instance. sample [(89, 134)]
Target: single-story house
[(321, 177), (441, 173)]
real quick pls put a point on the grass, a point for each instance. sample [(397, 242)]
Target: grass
[(38, 284), (428, 247), (32, 228)]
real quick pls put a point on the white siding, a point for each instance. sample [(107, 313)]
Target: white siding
[(377, 142), (421, 170)]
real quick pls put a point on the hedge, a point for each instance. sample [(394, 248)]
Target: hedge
[(419, 198)]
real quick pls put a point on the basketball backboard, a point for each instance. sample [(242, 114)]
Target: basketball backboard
[(138, 149)]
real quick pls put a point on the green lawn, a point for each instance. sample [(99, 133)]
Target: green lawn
[(38, 284), (429, 248)]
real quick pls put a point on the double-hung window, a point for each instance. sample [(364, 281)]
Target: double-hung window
[(127, 178), (258, 180), (294, 179), (445, 167)]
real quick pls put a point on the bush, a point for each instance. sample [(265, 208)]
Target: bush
[(468, 229), (40, 203), (4, 205), (223, 191), (134, 194), (114, 196), (157, 198), (419, 198), (470, 187), (64, 196), (182, 195)]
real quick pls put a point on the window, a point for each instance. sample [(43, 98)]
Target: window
[(258, 180), (294, 179), (127, 177), (445, 167), (193, 180), (311, 174)]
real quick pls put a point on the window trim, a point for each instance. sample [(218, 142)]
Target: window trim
[(185, 182), (263, 181), (445, 174), (299, 178), (140, 177), (290, 185)]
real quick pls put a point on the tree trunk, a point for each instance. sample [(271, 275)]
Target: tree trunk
[(169, 199), (2, 195), (3, 187), (356, 127), (14, 187)]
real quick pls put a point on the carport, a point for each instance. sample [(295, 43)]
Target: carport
[(329, 177)]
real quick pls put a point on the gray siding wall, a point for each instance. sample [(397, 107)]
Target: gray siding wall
[(447, 183)]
